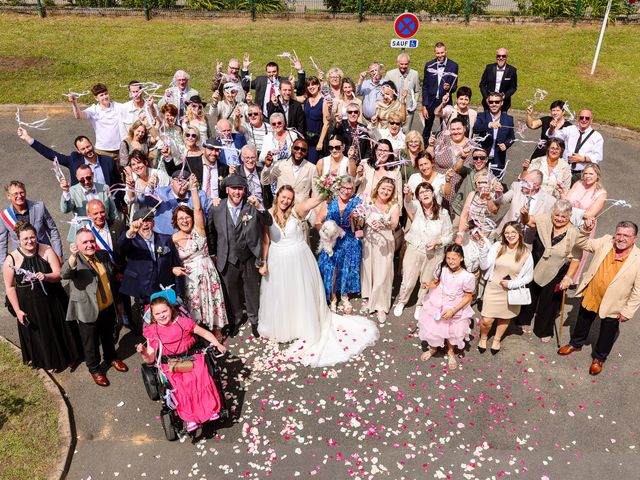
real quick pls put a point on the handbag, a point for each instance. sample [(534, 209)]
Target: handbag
[(519, 296), (180, 365)]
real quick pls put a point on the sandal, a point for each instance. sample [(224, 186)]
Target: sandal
[(453, 363), (332, 306), (427, 355), (345, 304)]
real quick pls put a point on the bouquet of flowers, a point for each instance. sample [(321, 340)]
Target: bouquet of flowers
[(328, 185)]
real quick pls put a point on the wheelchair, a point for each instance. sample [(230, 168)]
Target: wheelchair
[(158, 386)]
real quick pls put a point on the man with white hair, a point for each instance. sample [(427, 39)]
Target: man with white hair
[(252, 173), (405, 78), (179, 93)]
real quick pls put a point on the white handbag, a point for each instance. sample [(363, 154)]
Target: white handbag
[(519, 296)]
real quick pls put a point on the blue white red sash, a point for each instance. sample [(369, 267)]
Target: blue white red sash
[(9, 218), (101, 244)]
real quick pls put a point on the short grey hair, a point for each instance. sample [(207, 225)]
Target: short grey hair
[(403, 55), (181, 73), (276, 116), (248, 147), (562, 206), (628, 224), (346, 180)]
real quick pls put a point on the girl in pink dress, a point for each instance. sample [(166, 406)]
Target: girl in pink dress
[(171, 336), (446, 311)]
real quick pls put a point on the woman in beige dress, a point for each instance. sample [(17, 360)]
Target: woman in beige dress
[(379, 247), (508, 265)]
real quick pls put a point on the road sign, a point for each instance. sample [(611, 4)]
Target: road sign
[(406, 25), (403, 43)]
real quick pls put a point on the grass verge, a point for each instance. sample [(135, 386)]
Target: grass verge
[(28, 421), (42, 58)]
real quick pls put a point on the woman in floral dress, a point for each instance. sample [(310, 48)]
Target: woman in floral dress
[(203, 292)]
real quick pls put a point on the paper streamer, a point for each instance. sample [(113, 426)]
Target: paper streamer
[(37, 125)]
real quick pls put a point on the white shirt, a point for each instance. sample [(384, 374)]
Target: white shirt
[(106, 124), (591, 148), (210, 177), (397, 142), (437, 184), (255, 135), (234, 211), (89, 194), (105, 234), (253, 183), (129, 114), (495, 134), (424, 230), (499, 75), (267, 97)]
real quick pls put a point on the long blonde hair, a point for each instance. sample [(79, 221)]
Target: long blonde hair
[(596, 168), (282, 222), (393, 200), (521, 249)]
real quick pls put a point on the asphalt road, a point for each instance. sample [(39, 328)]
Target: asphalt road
[(525, 412)]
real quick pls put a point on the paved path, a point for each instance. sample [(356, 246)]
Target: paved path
[(525, 412)]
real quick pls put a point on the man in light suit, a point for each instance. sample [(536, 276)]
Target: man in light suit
[(525, 193), (610, 289), (177, 193), (179, 94), (35, 212), (151, 261), (440, 77), (74, 199), (289, 107), (269, 84), (499, 77), (91, 303), (296, 171), (496, 129), (405, 78), (234, 234)]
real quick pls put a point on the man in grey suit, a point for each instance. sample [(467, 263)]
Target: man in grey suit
[(74, 199), (235, 243), (91, 303), (35, 212)]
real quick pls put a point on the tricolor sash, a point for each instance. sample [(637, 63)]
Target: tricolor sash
[(9, 218)]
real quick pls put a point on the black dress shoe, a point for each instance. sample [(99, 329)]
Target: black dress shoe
[(494, 351), (482, 349), (254, 330), (233, 330)]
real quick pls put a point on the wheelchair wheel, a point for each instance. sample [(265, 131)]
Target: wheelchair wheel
[(150, 380), (168, 427)]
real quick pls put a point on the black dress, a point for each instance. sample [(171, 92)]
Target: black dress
[(541, 151), (49, 341)]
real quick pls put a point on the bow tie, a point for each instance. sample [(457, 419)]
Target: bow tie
[(93, 191), (440, 65), (183, 200)]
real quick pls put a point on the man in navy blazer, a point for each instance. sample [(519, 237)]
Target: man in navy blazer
[(440, 77), (151, 261), (495, 131), (231, 143), (103, 167), (499, 77), (270, 83)]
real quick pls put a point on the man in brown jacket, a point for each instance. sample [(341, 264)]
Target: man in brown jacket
[(610, 289)]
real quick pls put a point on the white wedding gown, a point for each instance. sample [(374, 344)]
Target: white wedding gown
[(293, 306)]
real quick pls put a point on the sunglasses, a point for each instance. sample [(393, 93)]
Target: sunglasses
[(501, 56), (395, 123), (197, 106), (494, 102), (254, 114), (479, 158), (335, 147), (353, 112), (299, 149), (85, 179), (584, 118), (275, 124), (190, 135)]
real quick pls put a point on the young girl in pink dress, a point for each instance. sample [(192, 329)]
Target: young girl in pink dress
[(171, 336), (446, 311)]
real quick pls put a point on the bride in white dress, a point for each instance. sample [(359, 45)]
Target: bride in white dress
[(292, 297)]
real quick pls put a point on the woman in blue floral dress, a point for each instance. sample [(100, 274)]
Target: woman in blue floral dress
[(341, 270)]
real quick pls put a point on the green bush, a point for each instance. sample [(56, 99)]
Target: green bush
[(150, 3), (598, 8), (567, 8), (435, 7), (216, 5)]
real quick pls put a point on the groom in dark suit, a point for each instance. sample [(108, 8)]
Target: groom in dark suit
[(235, 228), (497, 133), (499, 77), (440, 78), (151, 260)]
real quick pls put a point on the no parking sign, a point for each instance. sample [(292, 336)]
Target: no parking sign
[(405, 26)]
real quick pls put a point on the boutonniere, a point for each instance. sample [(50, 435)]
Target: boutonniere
[(162, 250), (246, 217)]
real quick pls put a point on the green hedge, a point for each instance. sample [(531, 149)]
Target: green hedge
[(438, 7), (567, 8), (259, 5)]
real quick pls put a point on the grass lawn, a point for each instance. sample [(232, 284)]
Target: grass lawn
[(42, 58), (28, 421)]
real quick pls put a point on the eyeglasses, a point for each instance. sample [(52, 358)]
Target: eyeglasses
[(335, 147), (85, 179), (334, 77), (501, 56), (299, 149), (353, 112), (253, 114), (275, 124), (395, 123), (479, 158), (494, 102), (584, 118), (235, 69), (190, 135), (17, 194)]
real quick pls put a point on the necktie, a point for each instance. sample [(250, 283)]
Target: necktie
[(578, 143), (272, 91), (234, 215), (207, 189), (102, 292)]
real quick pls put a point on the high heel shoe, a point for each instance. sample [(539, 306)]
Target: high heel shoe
[(494, 351), (482, 349)]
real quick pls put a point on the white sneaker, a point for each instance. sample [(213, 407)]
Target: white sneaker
[(382, 317), (397, 310), (416, 314)]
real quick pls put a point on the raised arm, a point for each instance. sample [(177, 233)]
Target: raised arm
[(198, 212), (302, 209), (77, 113)]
